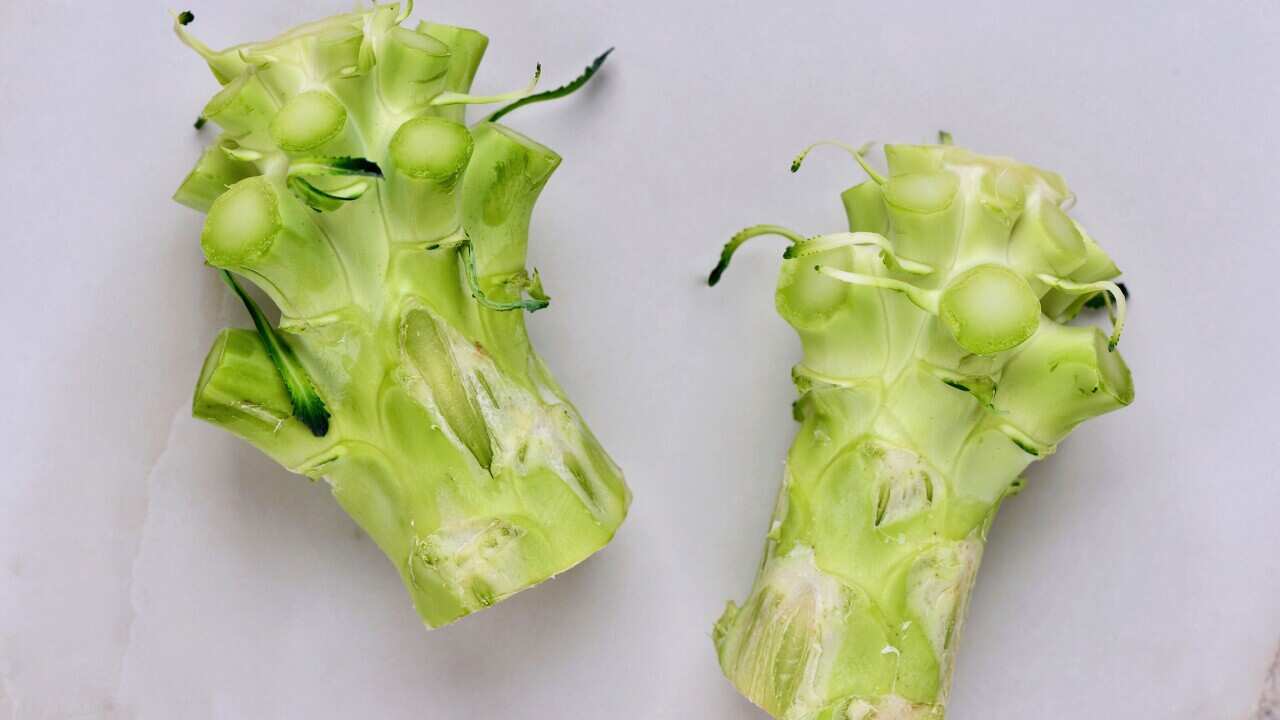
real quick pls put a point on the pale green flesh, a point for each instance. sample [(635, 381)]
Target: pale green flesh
[(245, 222), (908, 442), (430, 147), (449, 443), (307, 121)]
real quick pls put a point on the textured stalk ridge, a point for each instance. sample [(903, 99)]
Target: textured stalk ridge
[(346, 185), (937, 365)]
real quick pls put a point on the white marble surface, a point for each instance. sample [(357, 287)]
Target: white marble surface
[(154, 567)]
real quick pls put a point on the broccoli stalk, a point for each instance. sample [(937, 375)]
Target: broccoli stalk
[(937, 366), (392, 238)]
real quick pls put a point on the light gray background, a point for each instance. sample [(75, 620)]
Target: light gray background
[(155, 567)]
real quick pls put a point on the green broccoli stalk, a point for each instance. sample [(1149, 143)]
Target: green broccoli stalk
[(937, 366), (392, 237)]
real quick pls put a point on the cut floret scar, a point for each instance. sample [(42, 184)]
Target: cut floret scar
[(926, 300), (456, 98), (307, 405), (744, 235), (823, 243), (307, 121), (1111, 290), (566, 89), (858, 153)]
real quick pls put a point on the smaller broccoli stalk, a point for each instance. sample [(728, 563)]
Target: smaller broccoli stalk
[(937, 366), (391, 236)]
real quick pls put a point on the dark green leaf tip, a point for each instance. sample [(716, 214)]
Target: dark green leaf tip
[(200, 121), (1026, 448), (334, 167), (311, 412), (742, 236), (725, 256), (717, 272), (944, 137), (559, 92), (186, 17), (357, 166)]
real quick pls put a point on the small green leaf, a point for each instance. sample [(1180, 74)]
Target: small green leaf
[(532, 284), (537, 300), (186, 17), (563, 90), (307, 405), (858, 154), (326, 200), (726, 254)]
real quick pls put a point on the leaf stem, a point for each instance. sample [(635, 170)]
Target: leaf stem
[(744, 235), (534, 303), (566, 89)]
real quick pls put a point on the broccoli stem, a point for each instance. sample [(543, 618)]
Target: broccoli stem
[(933, 374), (401, 298), (454, 448), (409, 461), (875, 548)]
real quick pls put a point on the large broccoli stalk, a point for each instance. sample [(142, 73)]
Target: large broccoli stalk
[(392, 238), (937, 366)]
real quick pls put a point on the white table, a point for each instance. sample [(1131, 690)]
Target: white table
[(152, 566)]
